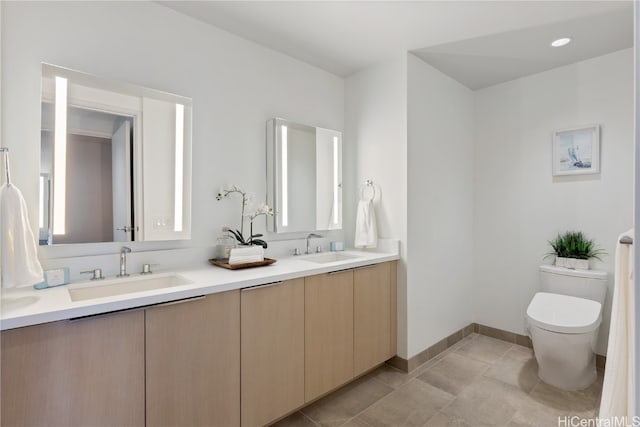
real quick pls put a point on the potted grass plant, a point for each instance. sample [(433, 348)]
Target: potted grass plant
[(573, 249)]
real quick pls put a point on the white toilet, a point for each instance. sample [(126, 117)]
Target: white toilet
[(563, 321)]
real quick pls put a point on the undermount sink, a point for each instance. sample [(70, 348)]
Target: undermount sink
[(329, 257), (122, 286)]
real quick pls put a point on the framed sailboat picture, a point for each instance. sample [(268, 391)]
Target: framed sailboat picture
[(576, 151)]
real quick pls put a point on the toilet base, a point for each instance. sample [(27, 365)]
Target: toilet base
[(565, 361), (568, 381)]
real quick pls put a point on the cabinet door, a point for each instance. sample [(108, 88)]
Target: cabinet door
[(328, 332), (193, 362), (372, 316), (272, 364), (75, 373)]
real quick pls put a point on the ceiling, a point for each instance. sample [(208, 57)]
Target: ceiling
[(343, 37), (497, 58)]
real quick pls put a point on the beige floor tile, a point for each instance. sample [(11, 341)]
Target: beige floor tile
[(444, 420), (534, 414), (582, 402), (297, 419), (495, 396), (520, 352), (461, 343), (546, 404), (485, 349), (487, 402), (394, 377), (429, 363), (454, 373), (413, 404), (515, 423), (356, 422), (595, 390), (517, 367), (548, 419), (344, 404)]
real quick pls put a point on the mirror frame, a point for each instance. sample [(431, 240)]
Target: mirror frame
[(113, 92)]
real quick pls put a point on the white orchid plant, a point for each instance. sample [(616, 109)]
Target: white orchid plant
[(261, 210)]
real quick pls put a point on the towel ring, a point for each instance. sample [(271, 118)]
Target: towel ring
[(367, 184)]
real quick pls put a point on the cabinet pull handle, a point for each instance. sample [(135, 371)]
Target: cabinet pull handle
[(144, 307), (180, 301), (362, 267), (351, 269), (106, 313), (266, 285), (346, 270)]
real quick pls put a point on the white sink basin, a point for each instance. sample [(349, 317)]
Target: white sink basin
[(128, 285), (329, 257)]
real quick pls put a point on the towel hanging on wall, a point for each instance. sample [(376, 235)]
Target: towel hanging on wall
[(19, 255), (618, 389), (366, 228)]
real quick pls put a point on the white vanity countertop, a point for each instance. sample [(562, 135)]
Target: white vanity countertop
[(27, 306)]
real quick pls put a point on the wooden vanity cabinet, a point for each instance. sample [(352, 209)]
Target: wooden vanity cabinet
[(328, 332), (374, 320), (245, 357), (193, 362), (350, 325), (75, 372), (272, 359)]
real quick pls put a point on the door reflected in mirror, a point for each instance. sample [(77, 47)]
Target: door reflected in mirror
[(304, 177), (99, 149), (95, 183)]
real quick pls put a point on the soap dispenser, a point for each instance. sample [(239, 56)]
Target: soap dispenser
[(224, 244)]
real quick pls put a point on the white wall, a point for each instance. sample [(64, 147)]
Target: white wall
[(375, 148), (409, 129), (439, 205), (236, 86), (519, 205)]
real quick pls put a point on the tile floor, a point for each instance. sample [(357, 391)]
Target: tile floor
[(480, 381)]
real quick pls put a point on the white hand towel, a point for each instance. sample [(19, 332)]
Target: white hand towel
[(618, 389), (246, 254), (366, 227), (20, 265)]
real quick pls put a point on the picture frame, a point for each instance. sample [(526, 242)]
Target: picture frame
[(576, 151)]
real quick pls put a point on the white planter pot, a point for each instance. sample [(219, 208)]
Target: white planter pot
[(572, 263)]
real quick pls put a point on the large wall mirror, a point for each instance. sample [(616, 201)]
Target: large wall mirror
[(115, 161), (304, 177)]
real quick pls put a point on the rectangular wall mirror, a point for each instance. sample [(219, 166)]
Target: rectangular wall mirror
[(304, 177), (115, 163)]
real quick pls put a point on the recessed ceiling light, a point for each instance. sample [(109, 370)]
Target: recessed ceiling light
[(561, 42)]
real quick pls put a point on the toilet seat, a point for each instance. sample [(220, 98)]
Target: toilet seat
[(563, 313)]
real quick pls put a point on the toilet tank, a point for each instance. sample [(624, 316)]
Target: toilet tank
[(589, 284)]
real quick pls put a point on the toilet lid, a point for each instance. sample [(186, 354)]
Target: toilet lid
[(563, 313)]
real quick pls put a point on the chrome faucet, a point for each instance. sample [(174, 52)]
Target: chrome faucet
[(309, 236), (123, 261)]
